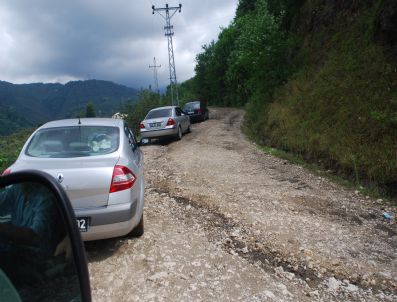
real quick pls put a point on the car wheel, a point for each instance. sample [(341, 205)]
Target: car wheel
[(138, 230), (188, 129), (179, 135)]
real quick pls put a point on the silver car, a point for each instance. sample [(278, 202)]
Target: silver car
[(99, 164), (168, 121)]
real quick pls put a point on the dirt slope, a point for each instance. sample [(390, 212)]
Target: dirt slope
[(225, 222)]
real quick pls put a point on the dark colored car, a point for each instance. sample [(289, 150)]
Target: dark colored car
[(197, 111)]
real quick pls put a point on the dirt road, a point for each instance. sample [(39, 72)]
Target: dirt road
[(225, 222)]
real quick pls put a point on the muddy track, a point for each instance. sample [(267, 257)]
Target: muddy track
[(243, 244), (227, 222)]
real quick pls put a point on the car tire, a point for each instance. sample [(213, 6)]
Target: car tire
[(138, 230), (179, 135), (188, 129)]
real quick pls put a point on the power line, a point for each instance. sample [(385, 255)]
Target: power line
[(156, 82), (169, 13)]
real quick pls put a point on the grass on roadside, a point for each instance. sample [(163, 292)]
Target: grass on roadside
[(319, 170), (10, 147)]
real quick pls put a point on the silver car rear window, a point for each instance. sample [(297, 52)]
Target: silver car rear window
[(159, 113), (74, 141)]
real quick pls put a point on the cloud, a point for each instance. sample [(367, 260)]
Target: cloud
[(50, 41)]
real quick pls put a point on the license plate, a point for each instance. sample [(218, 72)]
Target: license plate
[(191, 112), (155, 124), (83, 224)]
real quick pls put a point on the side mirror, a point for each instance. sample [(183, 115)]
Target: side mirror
[(42, 255)]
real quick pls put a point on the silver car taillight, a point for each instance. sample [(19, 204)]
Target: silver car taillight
[(171, 122), (122, 179)]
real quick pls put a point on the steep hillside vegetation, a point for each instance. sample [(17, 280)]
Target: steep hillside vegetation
[(27, 105), (11, 145), (341, 106), (318, 78)]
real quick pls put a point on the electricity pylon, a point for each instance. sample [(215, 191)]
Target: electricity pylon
[(169, 13), (156, 82)]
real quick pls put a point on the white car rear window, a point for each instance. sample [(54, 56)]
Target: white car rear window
[(74, 141), (159, 113)]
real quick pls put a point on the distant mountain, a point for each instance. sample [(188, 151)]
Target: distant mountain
[(27, 105)]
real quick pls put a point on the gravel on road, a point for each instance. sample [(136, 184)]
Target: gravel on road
[(226, 222)]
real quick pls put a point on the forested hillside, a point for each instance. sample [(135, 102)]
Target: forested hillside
[(28, 105), (318, 79)]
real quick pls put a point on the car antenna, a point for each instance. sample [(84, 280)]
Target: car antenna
[(79, 119)]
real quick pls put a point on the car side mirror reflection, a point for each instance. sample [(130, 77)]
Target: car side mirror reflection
[(42, 255)]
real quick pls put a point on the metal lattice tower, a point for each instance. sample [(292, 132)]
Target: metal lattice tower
[(156, 82), (169, 33)]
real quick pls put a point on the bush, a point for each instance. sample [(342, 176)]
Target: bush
[(10, 147)]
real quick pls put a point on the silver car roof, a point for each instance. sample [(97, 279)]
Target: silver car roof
[(165, 107), (84, 122)]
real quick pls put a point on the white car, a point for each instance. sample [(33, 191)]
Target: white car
[(168, 121)]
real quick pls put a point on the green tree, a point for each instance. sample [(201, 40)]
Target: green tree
[(90, 110), (222, 51), (260, 58), (204, 71), (187, 92), (244, 7), (211, 68), (250, 56)]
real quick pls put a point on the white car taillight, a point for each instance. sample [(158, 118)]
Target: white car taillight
[(122, 179), (6, 171)]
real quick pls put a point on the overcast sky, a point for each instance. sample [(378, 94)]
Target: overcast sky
[(115, 40)]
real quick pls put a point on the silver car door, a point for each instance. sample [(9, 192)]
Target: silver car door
[(136, 155), (187, 120), (182, 119), (178, 117)]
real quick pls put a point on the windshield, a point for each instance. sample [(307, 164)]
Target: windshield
[(159, 113), (75, 141), (191, 106)]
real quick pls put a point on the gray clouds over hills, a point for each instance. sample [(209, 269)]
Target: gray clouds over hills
[(58, 41)]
